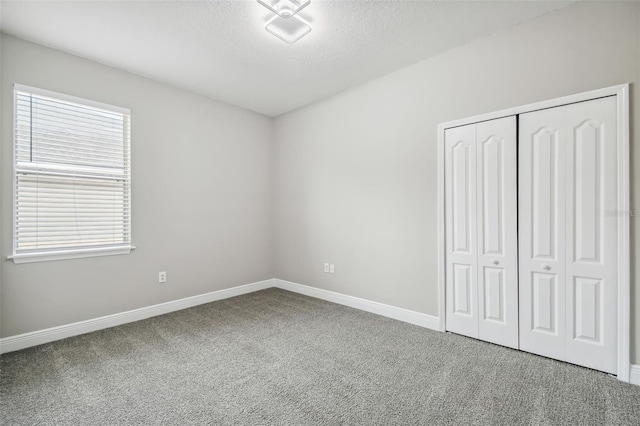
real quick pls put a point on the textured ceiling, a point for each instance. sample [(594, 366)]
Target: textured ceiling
[(220, 48)]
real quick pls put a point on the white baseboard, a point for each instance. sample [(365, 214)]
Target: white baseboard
[(39, 337), (634, 376), (26, 340), (401, 314), (21, 341)]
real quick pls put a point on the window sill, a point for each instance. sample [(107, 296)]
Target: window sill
[(69, 254)]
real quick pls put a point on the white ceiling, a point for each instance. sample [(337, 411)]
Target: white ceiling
[(220, 48)]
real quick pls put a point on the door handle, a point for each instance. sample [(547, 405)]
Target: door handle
[(496, 262), (546, 267)]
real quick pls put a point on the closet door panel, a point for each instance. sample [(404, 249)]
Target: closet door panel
[(541, 232), (591, 235), (544, 297), (568, 243), (496, 229), (460, 222)]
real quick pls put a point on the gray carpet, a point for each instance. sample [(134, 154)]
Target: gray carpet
[(275, 357)]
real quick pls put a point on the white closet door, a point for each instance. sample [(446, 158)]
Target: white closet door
[(541, 238), (496, 230), (567, 245), (591, 235), (461, 254), (480, 197)]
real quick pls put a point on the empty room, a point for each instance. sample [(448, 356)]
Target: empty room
[(319, 212)]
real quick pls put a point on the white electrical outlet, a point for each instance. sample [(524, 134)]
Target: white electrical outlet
[(331, 268), (162, 277), (326, 267)]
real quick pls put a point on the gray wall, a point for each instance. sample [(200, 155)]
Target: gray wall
[(355, 174), (201, 188)]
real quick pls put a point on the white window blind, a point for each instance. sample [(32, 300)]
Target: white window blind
[(72, 175)]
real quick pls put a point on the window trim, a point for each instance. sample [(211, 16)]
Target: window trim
[(69, 254), (75, 253)]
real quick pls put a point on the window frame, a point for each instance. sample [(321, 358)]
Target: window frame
[(79, 252)]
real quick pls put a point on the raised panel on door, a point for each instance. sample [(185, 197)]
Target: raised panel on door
[(544, 298), (496, 229), (541, 240), (460, 223), (591, 234)]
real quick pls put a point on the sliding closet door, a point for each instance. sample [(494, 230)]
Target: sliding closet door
[(496, 229), (461, 255), (568, 245), (480, 204)]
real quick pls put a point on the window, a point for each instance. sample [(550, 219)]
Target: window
[(71, 177)]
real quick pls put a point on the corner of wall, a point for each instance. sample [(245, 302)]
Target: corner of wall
[(272, 196)]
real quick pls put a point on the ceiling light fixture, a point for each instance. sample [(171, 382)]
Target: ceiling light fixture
[(285, 25), (290, 30), (285, 8)]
